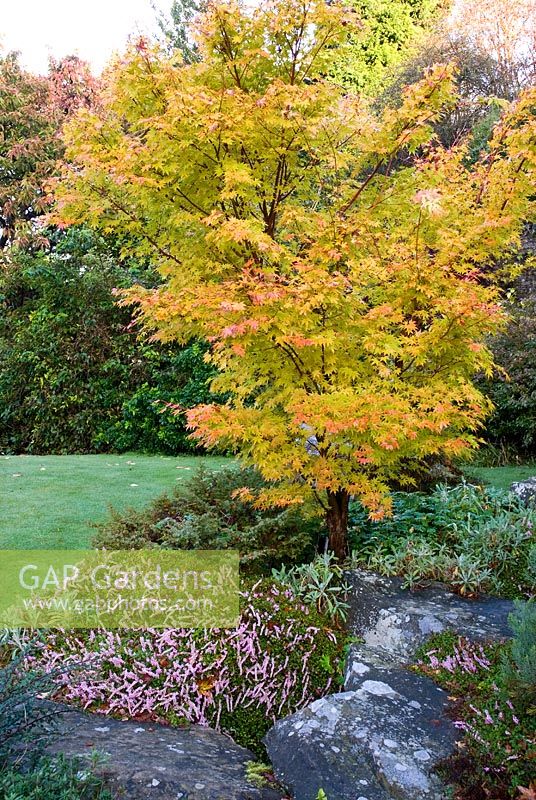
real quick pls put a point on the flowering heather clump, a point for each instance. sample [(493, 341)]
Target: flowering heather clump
[(282, 655), (465, 657), (499, 730)]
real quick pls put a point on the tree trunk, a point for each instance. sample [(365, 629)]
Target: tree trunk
[(337, 522)]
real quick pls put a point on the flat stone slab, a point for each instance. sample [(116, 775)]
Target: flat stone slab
[(395, 621), (148, 761)]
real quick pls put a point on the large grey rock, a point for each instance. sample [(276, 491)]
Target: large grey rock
[(384, 735), (147, 761), (380, 740), (397, 621), (525, 490)]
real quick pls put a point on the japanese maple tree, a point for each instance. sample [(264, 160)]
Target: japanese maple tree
[(341, 292)]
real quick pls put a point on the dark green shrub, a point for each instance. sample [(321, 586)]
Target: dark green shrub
[(75, 376), (512, 426), (52, 779), (519, 665), (174, 376), (204, 514), (482, 130), (24, 720), (67, 358)]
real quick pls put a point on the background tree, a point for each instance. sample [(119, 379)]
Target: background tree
[(71, 85), (32, 111), (493, 45), (341, 298), (389, 31), (28, 145), (67, 358), (505, 30), (176, 28)]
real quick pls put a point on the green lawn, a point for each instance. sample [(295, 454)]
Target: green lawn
[(50, 501), (500, 477)]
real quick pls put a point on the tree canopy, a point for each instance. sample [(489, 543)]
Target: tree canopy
[(389, 30), (176, 28), (339, 286), (32, 110)]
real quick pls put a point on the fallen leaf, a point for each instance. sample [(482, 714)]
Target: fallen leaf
[(205, 685)]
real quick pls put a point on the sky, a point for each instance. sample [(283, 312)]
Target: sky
[(91, 29)]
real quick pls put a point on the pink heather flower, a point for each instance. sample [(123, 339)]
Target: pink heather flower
[(448, 663)]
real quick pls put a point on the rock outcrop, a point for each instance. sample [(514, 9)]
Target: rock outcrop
[(384, 735), (525, 490), (396, 622)]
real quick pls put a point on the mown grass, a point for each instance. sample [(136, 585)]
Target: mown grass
[(500, 477), (51, 501)]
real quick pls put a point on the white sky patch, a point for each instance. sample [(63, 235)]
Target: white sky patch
[(95, 29), (91, 29)]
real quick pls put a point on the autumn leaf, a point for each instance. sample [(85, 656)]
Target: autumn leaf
[(205, 685)]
